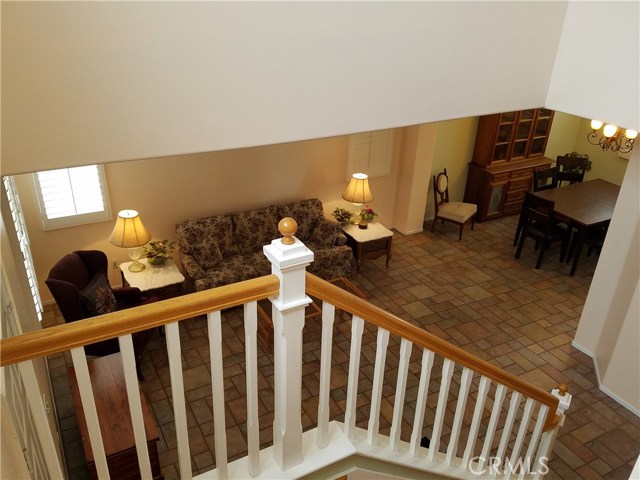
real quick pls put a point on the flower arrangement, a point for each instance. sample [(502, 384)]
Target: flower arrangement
[(158, 251), (342, 215), (367, 214)]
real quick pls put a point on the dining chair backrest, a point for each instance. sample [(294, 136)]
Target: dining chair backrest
[(545, 179), (571, 169), (539, 211)]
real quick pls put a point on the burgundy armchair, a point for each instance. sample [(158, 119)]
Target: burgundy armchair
[(80, 286)]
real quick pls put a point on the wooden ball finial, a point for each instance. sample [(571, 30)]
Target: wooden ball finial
[(562, 389), (288, 228)]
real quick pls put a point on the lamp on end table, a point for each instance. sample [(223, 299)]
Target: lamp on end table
[(358, 193), (129, 232)]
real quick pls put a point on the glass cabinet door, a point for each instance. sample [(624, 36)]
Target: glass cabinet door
[(504, 136), (541, 132), (523, 134)]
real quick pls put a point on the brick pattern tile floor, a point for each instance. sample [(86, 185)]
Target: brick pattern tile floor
[(473, 294)]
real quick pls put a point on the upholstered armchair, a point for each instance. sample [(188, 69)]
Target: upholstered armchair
[(80, 286)]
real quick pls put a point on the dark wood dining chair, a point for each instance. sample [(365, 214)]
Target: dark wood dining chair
[(571, 169), (540, 225), (545, 179)]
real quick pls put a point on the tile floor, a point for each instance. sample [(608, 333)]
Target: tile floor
[(472, 293)]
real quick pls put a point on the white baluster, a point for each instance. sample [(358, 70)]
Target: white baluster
[(135, 405), (421, 401), (357, 327), (214, 326), (535, 437), (498, 398), (465, 381), (378, 380), (445, 383), (508, 425), (401, 388), (251, 353), (483, 389), (289, 258), (517, 446), (328, 314), (177, 394), (90, 413)]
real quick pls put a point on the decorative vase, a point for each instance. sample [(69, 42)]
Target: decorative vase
[(157, 261)]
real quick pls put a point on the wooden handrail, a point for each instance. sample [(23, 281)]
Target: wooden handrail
[(418, 336), (83, 332)]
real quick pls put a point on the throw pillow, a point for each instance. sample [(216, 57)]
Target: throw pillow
[(97, 297), (207, 253)]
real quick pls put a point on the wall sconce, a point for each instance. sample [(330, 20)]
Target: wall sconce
[(129, 232), (612, 137)]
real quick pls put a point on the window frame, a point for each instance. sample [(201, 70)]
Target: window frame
[(76, 219)]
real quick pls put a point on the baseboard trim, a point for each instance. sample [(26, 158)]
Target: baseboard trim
[(411, 232), (602, 388)]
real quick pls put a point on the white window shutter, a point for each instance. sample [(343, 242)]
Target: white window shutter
[(370, 153)]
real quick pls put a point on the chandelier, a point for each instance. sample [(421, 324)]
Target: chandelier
[(613, 138)]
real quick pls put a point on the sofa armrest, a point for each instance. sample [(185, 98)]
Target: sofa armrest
[(191, 266), (326, 232), (341, 239)]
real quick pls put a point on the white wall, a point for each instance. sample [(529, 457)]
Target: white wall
[(597, 69), (97, 82)]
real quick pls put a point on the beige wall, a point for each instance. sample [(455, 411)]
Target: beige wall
[(172, 189)]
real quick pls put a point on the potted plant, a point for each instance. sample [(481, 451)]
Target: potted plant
[(367, 215), (342, 215), (579, 155), (158, 252)]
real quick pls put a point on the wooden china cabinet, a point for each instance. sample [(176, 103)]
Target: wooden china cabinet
[(509, 147)]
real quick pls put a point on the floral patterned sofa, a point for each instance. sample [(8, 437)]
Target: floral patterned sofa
[(227, 248)]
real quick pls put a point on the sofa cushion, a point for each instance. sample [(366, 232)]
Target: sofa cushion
[(220, 227), (230, 270), (255, 228), (97, 297), (207, 253), (306, 213)]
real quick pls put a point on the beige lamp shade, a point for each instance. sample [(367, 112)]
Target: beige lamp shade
[(358, 191), (129, 231)]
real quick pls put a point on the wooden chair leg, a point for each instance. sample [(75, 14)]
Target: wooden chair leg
[(460, 236), (543, 247), (520, 245)]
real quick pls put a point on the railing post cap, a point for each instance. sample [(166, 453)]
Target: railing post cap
[(564, 398), (288, 228)]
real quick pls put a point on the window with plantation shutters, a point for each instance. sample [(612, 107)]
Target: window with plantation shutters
[(370, 153), (72, 196), (23, 240)]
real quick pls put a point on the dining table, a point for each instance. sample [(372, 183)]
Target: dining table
[(583, 206)]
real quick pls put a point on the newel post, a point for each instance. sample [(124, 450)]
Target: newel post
[(289, 258)]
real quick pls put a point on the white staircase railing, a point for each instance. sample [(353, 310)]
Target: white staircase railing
[(476, 417)]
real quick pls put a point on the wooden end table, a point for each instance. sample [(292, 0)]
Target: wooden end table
[(371, 242), (112, 405), (164, 281)]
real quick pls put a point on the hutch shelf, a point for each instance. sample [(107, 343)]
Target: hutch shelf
[(509, 147)]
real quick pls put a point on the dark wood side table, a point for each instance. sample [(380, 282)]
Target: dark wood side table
[(371, 242), (110, 394)]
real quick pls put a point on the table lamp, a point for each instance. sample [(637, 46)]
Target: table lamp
[(129, 232), (358, 192)]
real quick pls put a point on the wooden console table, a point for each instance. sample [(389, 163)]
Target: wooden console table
[(110, 394)]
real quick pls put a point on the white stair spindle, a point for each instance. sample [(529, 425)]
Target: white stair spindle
[(535, 438), (214, 326), (401, 388), (447, 371), (251, 355), (544, 450), (177, 393), (483, 389), (463, 394), (516, 397), (135, 404), (328, 314), (90, 413), (498, 399), (357, 327), (522, 432), (378, 380), (421, 401)]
